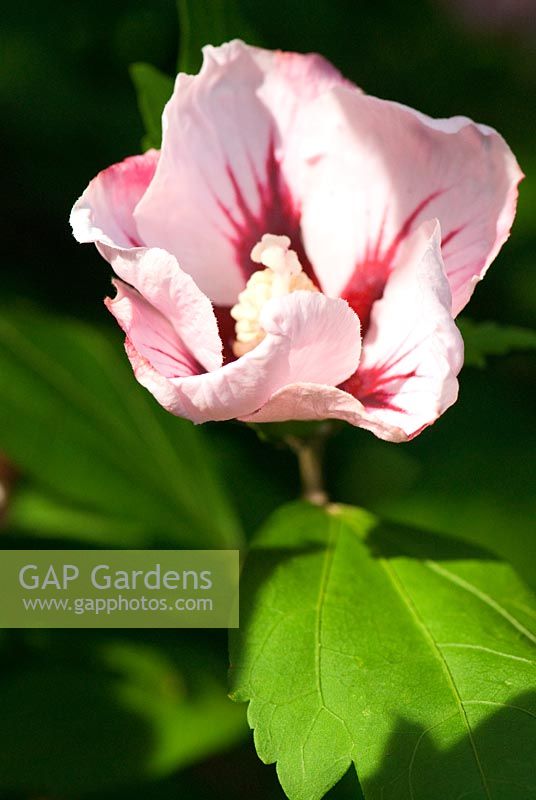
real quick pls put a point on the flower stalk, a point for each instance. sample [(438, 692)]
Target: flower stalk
[(310, 455)]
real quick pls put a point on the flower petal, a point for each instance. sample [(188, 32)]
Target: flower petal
[(413, 350), (387, 169), (229, 171), (313, 401), (151, 334), (105, 210), (324, 333), (156, 275), (287, 353)]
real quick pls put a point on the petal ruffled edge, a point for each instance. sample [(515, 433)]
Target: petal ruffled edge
[(156, 275), (312, 401), (105, 211)]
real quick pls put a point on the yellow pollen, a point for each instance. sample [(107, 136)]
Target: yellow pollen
[(283, 274)]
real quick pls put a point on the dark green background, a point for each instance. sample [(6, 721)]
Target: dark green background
[(69, 109)]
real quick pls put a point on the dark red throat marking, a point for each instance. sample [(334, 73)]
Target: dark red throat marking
[(376, 390), (368, 280), (279, 213)]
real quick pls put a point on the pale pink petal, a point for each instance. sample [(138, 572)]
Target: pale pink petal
[(105, 210), (151, 334), (155, 274), (324, 332), (289, 352), (313, 401), (230, 391), (413, 350), (378, 169), (229, 169)]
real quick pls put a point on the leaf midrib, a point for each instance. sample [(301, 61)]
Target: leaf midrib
[(319, 608), (398, 585)]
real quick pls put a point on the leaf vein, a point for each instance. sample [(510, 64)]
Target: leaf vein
[(481, 648), (401, 590), (500, 705), (485, 598)]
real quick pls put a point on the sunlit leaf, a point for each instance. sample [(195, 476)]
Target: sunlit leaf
[(411, 656)]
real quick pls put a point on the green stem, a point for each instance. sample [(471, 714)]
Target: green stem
[(310, 455)]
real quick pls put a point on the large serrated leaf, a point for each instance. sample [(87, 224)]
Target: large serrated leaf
[(97, 446), (410, 655)]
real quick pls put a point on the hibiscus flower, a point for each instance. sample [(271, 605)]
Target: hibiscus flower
[(299, 250)]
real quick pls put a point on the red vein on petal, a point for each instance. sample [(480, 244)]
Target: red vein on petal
[(368, 279), (369, 386), (279, 213), (187, 361), (451, 235)]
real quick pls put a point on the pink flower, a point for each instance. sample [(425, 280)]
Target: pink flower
[(298, 250)]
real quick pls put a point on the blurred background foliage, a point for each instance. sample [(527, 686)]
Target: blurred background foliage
[(91, 460)]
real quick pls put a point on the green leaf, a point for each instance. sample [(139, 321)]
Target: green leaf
[(408, 655), (109, 715), (33, 509), (208, 22), (153, 90), (483, 339), (93, 442)]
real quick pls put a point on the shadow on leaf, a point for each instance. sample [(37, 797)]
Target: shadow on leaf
[(391, 540), (504, 744)]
